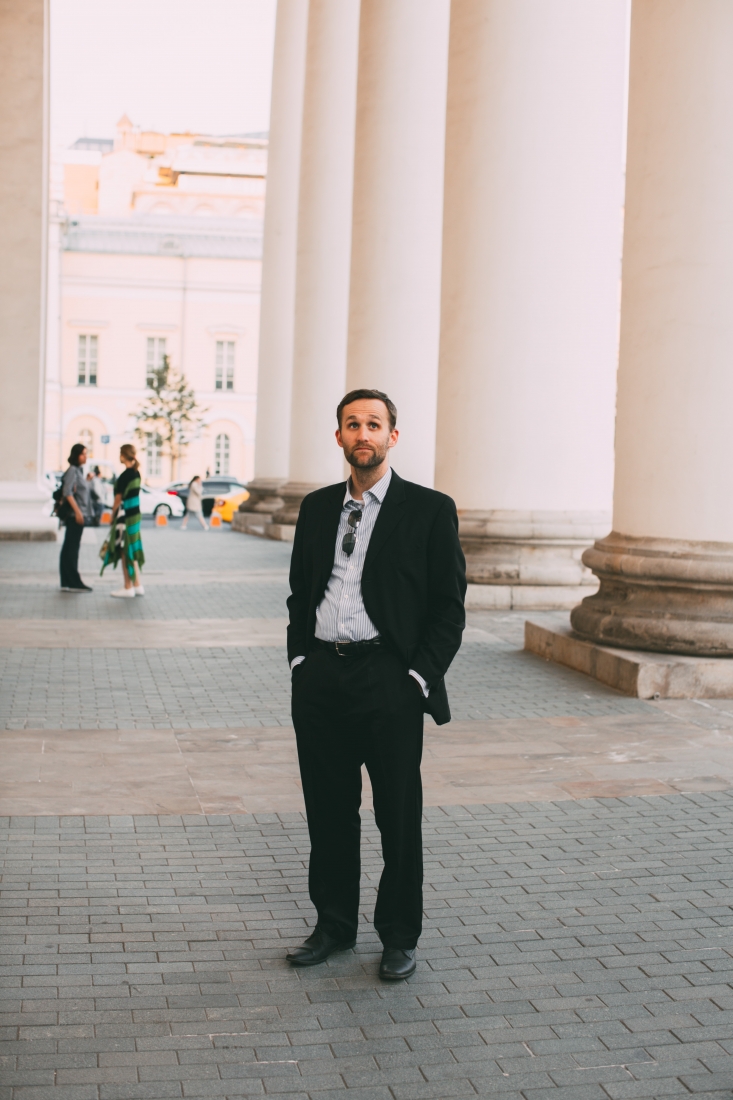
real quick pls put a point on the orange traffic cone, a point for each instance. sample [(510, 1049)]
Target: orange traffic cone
[(161, 520), (215, 520), (106, 517)]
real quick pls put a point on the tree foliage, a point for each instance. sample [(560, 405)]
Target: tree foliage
[(171, 412)]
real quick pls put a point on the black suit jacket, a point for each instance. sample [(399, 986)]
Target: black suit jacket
[(413, 584)]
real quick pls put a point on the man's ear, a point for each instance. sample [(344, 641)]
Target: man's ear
[(338, 438)]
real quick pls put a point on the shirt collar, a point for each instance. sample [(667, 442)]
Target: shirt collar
[(378, 491)]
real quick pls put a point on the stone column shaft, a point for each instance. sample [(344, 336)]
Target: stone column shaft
[(394, 315), (324, 250), (277, 309), (23, 245), (532, 247), (666, 571)]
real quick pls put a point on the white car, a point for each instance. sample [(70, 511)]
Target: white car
[(159, 502)]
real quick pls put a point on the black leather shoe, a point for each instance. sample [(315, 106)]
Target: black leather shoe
[(316, 949), (397, 964), (79, 588)]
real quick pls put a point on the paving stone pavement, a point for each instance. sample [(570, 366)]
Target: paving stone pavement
[(572, 951), (220, 687)]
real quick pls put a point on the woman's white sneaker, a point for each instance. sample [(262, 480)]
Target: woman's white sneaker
[(139, 590), (124, 594)]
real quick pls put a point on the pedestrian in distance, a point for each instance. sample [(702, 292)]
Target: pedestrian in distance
[(194, 503), (124, 543), (96, 493), (74, 511), (378, 582)]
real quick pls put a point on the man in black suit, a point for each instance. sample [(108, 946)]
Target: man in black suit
[(378, 582)]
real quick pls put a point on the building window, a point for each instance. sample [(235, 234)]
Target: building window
[(87, 361), (154, 358), (153, 454), (224, 365), (221, 454), (87, 438)]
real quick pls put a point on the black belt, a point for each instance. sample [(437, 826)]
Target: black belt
[(349, 649)]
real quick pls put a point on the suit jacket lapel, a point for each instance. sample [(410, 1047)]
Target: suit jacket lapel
[(390, 514), (327, 533)]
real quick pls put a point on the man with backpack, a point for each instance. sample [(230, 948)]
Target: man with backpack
[(74, 509)]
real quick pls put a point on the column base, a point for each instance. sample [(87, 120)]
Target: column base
[(292, 494), (523, 597), (512, 549), (24, 508), (663, 595), (638, 673), (264, 496)]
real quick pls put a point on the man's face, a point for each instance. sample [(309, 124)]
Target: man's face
[(366, 434)]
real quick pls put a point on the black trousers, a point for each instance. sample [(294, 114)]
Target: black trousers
[(69, 560), (349, 711)]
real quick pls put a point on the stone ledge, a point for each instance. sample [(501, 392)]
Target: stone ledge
[(43, 534), (633, 672), (526, 597), (261, 525)]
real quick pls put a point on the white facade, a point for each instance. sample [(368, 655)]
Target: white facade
[(141, 270)]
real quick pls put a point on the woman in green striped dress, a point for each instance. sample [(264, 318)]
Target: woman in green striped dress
[(125, 543)]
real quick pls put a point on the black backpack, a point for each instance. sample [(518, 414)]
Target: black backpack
[(61, 507)]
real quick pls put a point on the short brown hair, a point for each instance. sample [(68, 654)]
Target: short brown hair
[(368, 395), (130, 454)]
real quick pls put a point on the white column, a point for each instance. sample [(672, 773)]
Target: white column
[(667, 569), (398, 197), (23, 225), (324, 249), (532, 248), (277, 308)]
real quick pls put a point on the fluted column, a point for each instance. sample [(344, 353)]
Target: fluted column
[(277, 308), (398, 192), (324, 250), (532, 247), (666, 571), (23, 245)]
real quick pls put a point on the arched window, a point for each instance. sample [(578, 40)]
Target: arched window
[(87, 438), (221, 454)]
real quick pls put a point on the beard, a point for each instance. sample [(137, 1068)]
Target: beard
[(366, 459)]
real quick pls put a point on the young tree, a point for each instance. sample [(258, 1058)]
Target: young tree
[(171, 412)]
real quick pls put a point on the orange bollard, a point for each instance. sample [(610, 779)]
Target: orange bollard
[(215, 520), (161, 520), (106, 517)]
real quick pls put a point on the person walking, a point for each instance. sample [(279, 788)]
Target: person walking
[(125, 543), (194, 503), (76, 510), (378, 581), (94, 477)]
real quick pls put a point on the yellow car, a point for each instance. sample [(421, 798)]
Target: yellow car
[(227, 506)]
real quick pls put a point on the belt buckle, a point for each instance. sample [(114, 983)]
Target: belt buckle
[(338, 651)]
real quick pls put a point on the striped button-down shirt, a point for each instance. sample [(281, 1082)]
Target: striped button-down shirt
[(341, 615)]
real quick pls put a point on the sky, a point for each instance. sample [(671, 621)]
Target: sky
[(170, 65)]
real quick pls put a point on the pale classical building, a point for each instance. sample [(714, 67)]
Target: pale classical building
[(444, 221), (155, 249)]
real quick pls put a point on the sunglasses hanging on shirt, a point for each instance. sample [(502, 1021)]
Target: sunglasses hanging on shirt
[(349, 540)]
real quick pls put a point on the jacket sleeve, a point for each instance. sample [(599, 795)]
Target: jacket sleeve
[(299, 591), (447, 588)]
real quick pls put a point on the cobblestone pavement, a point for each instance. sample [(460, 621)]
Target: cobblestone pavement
[(228, 687), (178, 688), (572, 951)]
